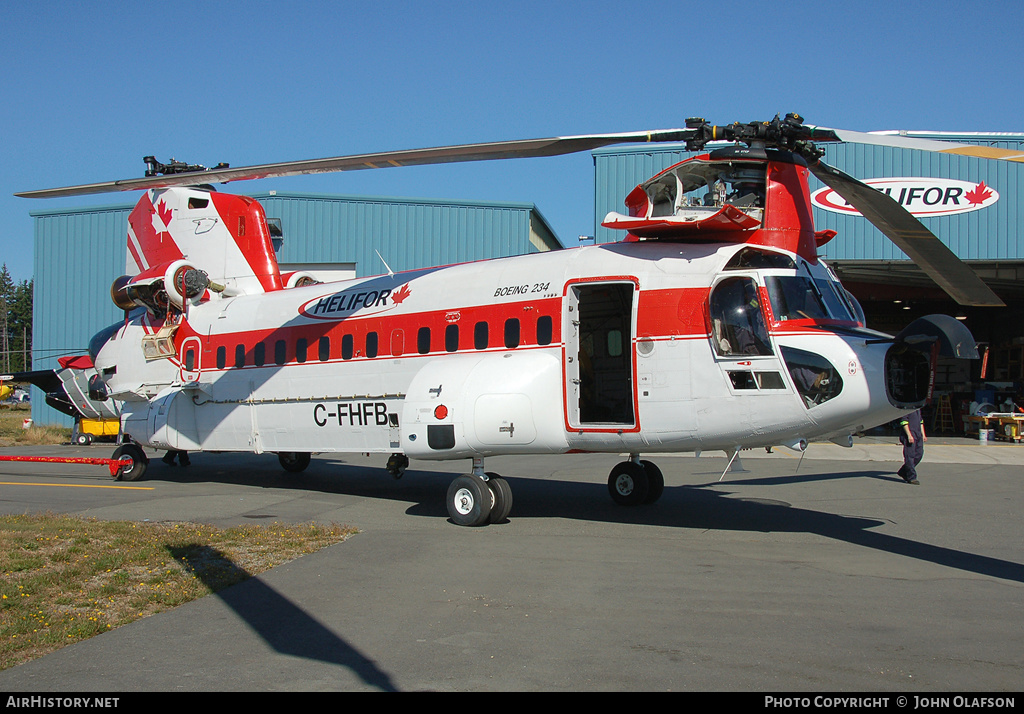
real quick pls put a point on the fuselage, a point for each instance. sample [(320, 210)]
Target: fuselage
[(637, 346)]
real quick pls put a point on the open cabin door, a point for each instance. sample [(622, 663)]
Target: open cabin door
[(599, 385)]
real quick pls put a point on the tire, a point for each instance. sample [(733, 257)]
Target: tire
[(501, 492), (655, 481), (83, 439), (628, 484), (136, 469), (397, 464), (294, 461), (469, 501)]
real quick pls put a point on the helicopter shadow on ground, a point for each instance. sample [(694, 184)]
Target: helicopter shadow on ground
[(282, 624), (709, 504)]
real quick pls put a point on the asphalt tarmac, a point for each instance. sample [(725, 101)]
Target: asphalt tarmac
[(816, 573)]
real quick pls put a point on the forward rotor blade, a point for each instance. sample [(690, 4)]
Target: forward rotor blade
[(910, 235), (820, 134), (528, 148)]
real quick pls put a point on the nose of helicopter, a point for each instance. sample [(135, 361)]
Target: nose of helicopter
[(910, 360)]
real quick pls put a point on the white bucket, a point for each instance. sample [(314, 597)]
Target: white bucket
[(26, 423), (984, 435)]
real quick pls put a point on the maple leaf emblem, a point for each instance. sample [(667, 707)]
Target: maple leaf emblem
[(399, 296), (164, 212), (980, 194)]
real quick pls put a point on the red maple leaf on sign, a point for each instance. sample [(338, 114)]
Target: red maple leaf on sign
[(979, 194), (399, 296)]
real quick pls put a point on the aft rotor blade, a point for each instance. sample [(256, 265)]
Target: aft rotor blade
[(527, 148), (911, 236), (899, 141)]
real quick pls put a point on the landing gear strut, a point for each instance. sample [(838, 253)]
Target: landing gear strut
[(635, 482), (479, 497)]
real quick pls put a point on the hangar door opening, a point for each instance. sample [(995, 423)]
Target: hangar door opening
[(600, 375)]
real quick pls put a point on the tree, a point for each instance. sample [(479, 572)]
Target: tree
[(15, 323)]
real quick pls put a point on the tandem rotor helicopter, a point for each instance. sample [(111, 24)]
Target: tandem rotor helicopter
[(713, 325)]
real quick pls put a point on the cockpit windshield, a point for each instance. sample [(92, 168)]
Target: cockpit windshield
[(795, 291), (796, 297)]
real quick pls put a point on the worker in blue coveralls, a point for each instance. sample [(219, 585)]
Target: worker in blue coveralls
[(912, 437)]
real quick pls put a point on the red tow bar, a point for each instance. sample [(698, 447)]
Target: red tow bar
[(115, 465)]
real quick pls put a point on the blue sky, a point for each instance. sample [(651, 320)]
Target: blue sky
[(89, 88)]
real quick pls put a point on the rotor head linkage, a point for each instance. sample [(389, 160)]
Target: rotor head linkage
[(175, 167), (789, 133)]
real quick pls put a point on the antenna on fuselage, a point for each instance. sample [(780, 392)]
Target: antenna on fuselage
[(391, 273)]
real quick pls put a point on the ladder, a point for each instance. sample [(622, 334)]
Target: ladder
[(943, 420)]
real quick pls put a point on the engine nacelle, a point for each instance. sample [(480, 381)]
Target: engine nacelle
[(300, 279)]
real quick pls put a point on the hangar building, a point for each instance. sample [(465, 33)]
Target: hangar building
[(976, 206), (79, 253)]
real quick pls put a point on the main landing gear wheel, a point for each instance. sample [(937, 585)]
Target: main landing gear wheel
[(655, 481), (135, 468), (470, 501), (632, 483), (501, 493), (294, 461)]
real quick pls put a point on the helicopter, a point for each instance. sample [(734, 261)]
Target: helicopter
[(712, 325)]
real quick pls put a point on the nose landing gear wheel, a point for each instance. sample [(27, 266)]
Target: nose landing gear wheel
[(470, 501)]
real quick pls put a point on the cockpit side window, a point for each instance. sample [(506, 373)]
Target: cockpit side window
[(738, 324)]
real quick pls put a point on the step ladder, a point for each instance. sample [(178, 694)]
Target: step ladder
[(943, 420)]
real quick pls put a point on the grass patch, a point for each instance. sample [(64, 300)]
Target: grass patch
[(64, 579), (13, 433)]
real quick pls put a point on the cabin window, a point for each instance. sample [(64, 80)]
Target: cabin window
[(324, 348), (544, 330), (259, 354), (742, 380), (190, 359), (451, 338), (614, 343), (222, 357), (347, 346), (511, 333), (738, 325), (239, 356), (371, 344), (769, 380), (301, 346), (280, 351), (756, 380), (423, 340), (480, 337)]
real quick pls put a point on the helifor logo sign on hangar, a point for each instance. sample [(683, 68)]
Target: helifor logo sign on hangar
[(923, 197)]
